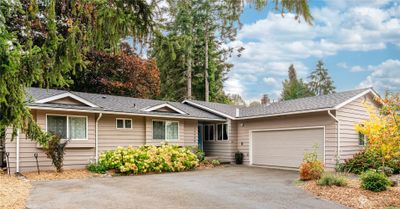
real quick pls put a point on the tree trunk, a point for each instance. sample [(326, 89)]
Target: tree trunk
[(207, 90), (189, 77)]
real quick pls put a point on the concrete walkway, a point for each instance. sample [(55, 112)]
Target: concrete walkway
[(225, 187)]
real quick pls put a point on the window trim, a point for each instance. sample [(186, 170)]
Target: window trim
[(165, 130), (123, 119), (364, 140), (222, 134), (73, 116)]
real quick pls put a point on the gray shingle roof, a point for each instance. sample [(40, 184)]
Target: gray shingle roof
[(296, 105), (109, 103)]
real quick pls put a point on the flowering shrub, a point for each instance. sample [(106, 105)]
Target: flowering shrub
[(166, 158)]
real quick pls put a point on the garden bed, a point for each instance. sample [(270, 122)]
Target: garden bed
[(354, 196)]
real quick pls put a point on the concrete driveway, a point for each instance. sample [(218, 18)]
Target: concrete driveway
[(224, 187)]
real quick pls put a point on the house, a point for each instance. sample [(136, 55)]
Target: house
[(274, 135)]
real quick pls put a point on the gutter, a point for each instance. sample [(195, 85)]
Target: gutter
[(338, 133), (96, 139), (17, 153)]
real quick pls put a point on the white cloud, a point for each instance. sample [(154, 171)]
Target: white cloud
[(385, 76), (342, 65), (357, 68), (234, 86), (273, 43), (270, 81)]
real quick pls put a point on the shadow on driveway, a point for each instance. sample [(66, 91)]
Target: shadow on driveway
[(223, 187)]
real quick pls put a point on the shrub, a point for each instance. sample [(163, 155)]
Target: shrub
[(165, 158), (366, 160), (239, 157), (215, 162), (311, 168), (56, 150), (97, 168), (329, 179), (374, 181)]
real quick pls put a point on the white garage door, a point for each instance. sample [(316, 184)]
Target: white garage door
[(285, 148)]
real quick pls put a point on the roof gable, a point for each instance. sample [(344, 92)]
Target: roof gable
[(65, 98), (164, 108)]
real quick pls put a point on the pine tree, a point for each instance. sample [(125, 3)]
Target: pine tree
[(321, 83), (294, 88)]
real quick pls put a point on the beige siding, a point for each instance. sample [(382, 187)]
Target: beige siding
[(350, 115), (110, 137), (224, 150), (302, 120), (78, 153)]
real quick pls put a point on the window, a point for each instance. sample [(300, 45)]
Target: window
[(67, 127), (209, 132), (362, 139), (222, 132), (124, 123), (165, 130)]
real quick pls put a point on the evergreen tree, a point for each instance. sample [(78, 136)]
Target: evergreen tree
[(294, 88), (321, 83), (43, 43)]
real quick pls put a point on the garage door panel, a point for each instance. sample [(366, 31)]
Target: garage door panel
[(285, 147)]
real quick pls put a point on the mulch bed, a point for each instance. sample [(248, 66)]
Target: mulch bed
[(13, 192), (354, 196), (66, 174)]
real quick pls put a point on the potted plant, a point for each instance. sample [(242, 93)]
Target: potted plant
[(238, 158)]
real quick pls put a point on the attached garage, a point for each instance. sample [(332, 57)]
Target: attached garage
[(285, 147)]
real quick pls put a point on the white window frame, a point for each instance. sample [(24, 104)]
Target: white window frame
[(165, 130), (123, 119), (222, 135), (73, 116)]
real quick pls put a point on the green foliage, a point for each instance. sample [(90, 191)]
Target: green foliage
[(329, 179), (374, 181), (56, 151), (294, 88), (215, 162), (366, 160), (166, 158), (321, 83), (44, 43), (97, 168)]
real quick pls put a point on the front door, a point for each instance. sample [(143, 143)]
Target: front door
[(200, 136)]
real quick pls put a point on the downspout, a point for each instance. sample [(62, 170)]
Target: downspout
[(97, 137), (17, 153), (338, 133)]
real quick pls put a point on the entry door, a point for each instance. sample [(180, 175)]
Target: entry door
[(200, 136)]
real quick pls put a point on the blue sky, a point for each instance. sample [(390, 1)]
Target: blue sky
[(359, 41)]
